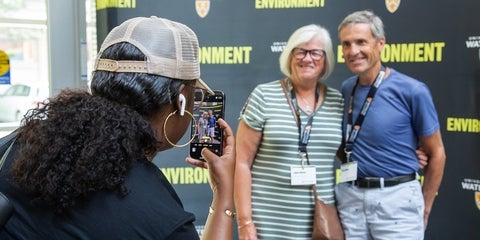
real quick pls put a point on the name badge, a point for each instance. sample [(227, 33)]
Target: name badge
[(348, 172), (306, 175)]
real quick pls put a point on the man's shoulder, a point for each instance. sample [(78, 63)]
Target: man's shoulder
[(402, 76), (401, 79)]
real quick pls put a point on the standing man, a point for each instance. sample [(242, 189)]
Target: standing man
[(212, 122), (387, 115)]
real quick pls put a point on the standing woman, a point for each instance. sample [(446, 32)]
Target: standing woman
[(81, 166), (270, 202), (202, 127)]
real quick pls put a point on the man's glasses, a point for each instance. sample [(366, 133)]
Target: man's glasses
[(315, 54)]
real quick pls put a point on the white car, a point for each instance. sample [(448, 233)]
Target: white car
[(18, 99)]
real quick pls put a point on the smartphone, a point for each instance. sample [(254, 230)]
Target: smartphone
[(205, 131)]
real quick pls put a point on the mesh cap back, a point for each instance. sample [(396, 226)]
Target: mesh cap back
[(171, 49)]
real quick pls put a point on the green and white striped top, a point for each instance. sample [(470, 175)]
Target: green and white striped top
[(280, 210)]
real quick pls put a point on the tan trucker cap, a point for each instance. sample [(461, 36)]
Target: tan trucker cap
[(171, 49)]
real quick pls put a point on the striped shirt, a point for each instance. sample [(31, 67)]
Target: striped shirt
[(280, 210)]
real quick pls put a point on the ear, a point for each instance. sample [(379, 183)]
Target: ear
[(381, 43)]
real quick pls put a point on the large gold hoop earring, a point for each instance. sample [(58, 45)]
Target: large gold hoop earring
[(165, 131)]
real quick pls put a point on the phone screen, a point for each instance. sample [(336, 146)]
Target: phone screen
[(205, 130)]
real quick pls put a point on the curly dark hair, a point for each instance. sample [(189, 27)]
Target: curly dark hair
[(76, 144)]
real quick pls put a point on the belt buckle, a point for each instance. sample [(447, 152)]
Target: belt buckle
[(367, 182), (371, 182)]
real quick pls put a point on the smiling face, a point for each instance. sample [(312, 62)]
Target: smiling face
[(361, 50), (306, 68)]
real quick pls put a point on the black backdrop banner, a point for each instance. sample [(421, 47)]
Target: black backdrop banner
[(437, 42)]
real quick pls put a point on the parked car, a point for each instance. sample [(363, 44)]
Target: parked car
[(18, 99)]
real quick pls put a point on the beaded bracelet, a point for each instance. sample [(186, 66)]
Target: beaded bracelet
[(227, 211)]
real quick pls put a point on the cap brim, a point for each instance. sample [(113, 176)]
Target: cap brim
[(199, 83)]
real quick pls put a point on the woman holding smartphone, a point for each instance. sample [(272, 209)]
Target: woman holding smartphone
[(81, 166)]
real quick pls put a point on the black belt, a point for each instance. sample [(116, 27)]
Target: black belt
[(376, 182)]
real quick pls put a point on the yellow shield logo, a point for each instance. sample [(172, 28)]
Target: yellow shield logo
[(4, 63), (202, 7), (477, 199), (392, 5)]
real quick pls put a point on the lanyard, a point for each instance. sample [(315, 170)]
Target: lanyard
[(303, 131), (352, 132)]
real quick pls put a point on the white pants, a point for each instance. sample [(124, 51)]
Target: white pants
[(381, 213)]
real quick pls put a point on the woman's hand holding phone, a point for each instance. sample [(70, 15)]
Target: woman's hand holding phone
[(221, 171)]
